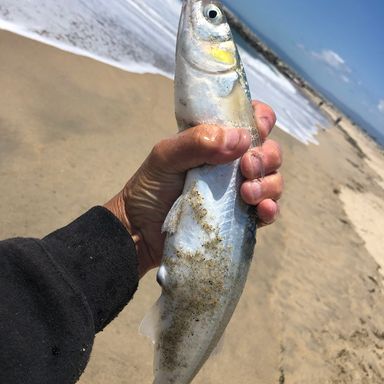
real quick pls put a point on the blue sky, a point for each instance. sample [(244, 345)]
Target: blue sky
[(339, 43)]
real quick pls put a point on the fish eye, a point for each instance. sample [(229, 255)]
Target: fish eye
[(213, 14)]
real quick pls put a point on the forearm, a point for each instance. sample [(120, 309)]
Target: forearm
[(57, 293)]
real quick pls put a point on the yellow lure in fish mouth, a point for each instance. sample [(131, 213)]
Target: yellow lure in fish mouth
[(223, 56)]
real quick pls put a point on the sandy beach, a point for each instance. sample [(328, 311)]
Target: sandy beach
[(73, 130)]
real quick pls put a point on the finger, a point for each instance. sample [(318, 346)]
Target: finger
[(267, 212), (252, 164), (204, 144), (265, 118), (270, 187)]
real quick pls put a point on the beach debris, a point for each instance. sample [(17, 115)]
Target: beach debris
[(210, 231)]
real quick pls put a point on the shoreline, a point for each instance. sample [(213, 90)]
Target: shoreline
[(301, 124), (74, 130), (304, 87)]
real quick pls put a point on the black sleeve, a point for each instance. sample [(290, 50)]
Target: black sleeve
[(56, 293)]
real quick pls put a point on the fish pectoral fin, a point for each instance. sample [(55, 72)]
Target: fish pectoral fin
[(172, 220), (150, 325), (219, 347)]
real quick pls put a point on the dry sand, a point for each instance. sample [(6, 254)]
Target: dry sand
[(73, 130)]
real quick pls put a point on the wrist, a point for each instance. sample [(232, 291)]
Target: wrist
[(117, 207)]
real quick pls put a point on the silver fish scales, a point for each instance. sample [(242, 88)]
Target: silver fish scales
[(210, 230)]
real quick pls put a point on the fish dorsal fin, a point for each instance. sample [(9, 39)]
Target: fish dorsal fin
[(172, 220), (149, 326)]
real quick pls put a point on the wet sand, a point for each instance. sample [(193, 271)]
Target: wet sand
[(72, 131)]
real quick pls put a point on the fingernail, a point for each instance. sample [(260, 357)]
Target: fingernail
[(257, 165), (232, 138), (256, 190), (270, 220), (264, 122), (264, 119), (274, 216)]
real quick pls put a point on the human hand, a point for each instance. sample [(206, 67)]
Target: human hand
[(146, 199)]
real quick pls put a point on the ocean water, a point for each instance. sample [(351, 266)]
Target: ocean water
[(140, 36)]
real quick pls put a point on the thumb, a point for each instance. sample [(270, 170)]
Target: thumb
[(203, 144)]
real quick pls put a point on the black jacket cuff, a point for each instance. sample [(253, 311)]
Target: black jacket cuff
[(99, 255)]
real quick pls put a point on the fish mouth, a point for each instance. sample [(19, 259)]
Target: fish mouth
[(186, 12)]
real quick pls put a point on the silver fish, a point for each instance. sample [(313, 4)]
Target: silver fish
[(210, 230)]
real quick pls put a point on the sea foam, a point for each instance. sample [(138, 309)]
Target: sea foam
[(141, 37)]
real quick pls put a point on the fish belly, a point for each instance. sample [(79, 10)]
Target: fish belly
[(209, 246)]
